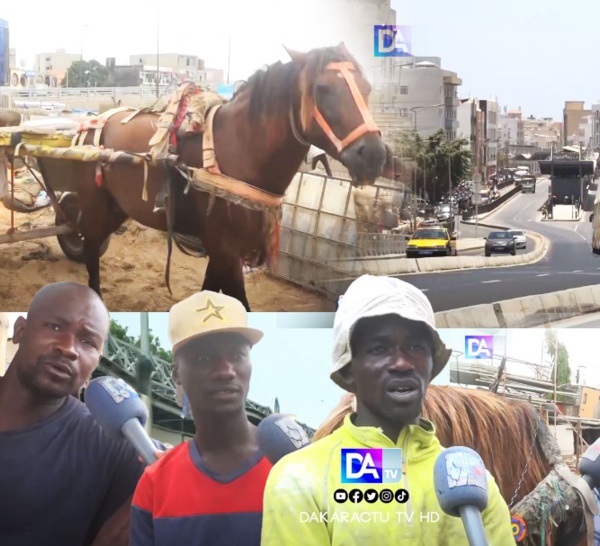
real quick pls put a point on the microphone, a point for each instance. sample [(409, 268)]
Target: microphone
[(589, 465), (121, 413), (278, 435), (460, 482)]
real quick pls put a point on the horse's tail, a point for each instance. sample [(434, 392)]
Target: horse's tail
[(335, 419)]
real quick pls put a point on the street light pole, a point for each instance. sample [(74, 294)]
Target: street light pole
[(157, 47)]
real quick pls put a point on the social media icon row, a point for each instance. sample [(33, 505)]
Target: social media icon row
[(370, 495)]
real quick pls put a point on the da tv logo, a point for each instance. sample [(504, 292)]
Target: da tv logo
[(479, 347), (371, 465), (392, 41)]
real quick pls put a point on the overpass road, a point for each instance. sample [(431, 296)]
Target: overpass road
[(569, 262)]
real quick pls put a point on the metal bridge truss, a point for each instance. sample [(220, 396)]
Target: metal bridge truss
[(121, 360)]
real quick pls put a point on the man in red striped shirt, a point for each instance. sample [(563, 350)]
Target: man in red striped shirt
[(208, 490)]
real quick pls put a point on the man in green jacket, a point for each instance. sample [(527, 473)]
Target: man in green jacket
[(386, 352)]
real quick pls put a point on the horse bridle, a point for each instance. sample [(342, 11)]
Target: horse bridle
[(346, 69)]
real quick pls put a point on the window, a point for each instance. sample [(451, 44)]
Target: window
[(404, 89), (585, 397)]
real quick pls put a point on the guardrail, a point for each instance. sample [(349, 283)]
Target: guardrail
[(489, 207), (83, 92)]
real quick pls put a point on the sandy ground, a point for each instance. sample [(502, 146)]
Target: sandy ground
[(132, 272)]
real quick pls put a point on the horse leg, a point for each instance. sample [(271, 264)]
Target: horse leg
[(225, 273), (325, 162), (211, 277), (100, 217)]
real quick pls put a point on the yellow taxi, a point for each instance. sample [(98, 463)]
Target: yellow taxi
[(431, 241)]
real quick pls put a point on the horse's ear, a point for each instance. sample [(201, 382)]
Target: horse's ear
[(342, 47), (389, 169), (296, 56)]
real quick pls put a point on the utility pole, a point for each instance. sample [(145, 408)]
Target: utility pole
[(157, 47)]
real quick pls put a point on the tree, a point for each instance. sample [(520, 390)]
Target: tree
[(437, 159), (120, 332), (86, 74), (557, 351)]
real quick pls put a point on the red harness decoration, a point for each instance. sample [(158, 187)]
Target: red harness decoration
[(190, 90)]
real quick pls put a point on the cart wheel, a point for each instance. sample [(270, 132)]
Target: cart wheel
[(72, 243)]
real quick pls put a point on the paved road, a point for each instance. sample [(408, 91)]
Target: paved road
[(568, 264)]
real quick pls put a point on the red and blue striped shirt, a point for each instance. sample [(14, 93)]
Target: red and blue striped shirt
[(180, 501)]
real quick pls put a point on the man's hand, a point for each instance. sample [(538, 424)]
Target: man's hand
[(159, 454)]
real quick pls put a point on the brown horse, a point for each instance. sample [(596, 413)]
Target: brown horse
[(510, 438), (261, 137)]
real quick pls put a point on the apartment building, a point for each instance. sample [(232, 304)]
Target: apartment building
[(52, 67), (419, 95), (490, 111), (573, 113), (542, 133), (589, 402), (471, 127)]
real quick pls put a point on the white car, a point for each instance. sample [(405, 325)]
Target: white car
[(520, 239)]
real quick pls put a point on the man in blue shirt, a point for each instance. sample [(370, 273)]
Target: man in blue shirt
[(62, 478)]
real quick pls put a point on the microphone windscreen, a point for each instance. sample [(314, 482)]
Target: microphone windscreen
[(113, 402), (460, 479), (279, 435)]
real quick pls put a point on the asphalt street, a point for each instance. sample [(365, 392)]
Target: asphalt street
[(569, 262)]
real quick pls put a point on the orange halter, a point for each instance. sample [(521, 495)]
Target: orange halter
[(368, 125)]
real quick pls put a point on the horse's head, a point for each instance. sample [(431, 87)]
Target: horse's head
[(333, 97)]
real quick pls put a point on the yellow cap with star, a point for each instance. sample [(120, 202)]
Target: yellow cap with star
[(207, 313)]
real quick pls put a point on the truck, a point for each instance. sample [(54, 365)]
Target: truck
[(528, 184)]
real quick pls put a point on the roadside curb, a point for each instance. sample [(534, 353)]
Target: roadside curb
[(526, 312), (416, 266), (433, 265)]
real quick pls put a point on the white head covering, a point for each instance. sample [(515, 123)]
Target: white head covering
[(372, 296)]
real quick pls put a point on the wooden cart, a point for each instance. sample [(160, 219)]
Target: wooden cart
[(56, 157)]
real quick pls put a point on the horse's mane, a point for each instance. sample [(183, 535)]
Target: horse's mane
[(501, 430), (266, 84)]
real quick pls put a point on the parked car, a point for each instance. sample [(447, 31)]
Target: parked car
[(430, 241), (500, 242), (519, 236)]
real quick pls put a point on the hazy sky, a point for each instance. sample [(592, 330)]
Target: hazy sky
[(292, 361), (114, 28), (533, 54)]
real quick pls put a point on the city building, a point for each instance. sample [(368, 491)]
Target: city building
[(596, 125), (589, 402), (490, 114), (179, 67), (471, 127), (183, 67), (586, 130), (354, 25), (510, 128), (573, 113), (53, 67), (542, 133), (420, 95), (5, 63)]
